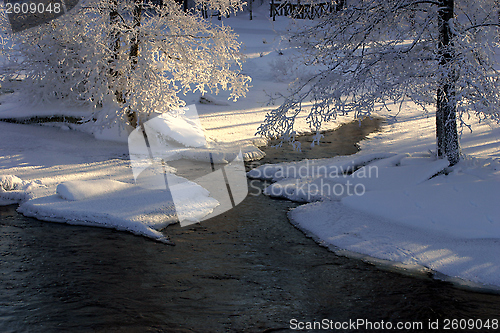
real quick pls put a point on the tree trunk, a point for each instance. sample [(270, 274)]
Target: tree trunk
[(446, 123), (134, 47), (115, 47), (134, 54)]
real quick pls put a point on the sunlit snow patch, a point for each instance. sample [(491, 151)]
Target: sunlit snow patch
[(15, 190), (118, 205), (81, 190), (177, 135)]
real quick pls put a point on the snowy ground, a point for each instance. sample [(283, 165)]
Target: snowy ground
[(404, 205)]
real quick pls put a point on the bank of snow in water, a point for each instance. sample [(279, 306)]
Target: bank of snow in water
[(49, 176), (118, 205), (410, 208)]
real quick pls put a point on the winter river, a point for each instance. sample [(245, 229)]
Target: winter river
[(248, 270)]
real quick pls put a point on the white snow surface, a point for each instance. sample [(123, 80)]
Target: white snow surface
[(179, 128), (409, 207), (117, 205), (470, 260), (85, 189)]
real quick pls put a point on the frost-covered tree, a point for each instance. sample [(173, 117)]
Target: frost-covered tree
[(372, 53), (125, 58)]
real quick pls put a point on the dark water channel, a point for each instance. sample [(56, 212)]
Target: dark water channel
[(248, 270)]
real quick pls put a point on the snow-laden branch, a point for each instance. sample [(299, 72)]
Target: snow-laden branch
[(375, 53)]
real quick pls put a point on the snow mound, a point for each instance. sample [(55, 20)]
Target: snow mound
[(121, 206), (10, 182), (81, 190), (309, 168), (15, 190), (181, 128), (334, 179)]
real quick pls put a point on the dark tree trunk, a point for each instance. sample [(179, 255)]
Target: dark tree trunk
[(134, 47), (116, 76), (115, 46), (446, 123), (134, 53)]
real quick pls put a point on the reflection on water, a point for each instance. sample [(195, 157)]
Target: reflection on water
[(247, 270)]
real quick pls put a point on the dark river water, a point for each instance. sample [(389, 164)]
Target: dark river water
[(248, 270)]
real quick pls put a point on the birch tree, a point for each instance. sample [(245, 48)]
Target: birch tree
[(437, 54)]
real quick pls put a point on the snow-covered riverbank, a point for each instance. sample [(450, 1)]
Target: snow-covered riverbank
[(403, 205)]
